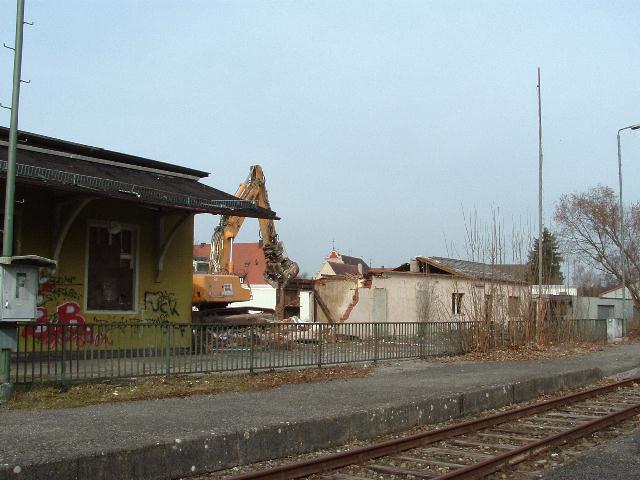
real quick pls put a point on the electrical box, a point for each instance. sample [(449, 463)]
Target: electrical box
[(19, 287)]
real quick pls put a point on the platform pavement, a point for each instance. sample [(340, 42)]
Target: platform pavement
[(170, 438)]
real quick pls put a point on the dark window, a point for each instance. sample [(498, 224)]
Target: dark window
[(112, 269), (456, 303)]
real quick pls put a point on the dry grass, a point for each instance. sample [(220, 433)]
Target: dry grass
[(47, 396), (533, 352)]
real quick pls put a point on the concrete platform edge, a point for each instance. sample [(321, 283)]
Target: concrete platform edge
[(209, 453)]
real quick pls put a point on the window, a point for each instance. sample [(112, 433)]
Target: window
[(456, 303), (514, 306), (111, 270), (200, 266)]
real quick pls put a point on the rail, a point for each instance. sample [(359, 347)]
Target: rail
[(475, 448)]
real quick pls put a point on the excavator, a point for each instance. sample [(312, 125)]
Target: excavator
[(214, 290)]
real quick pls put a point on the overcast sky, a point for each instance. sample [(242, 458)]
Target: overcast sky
[(378, 123)]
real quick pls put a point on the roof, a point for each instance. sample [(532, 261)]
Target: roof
[(469, 269), (71, 167), (34, 140), (379, 271), (344, 269), (516, 270), (355, 261), (202, 251), (249, 262)]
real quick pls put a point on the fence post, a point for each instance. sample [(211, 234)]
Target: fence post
[(64, 356), (167, 351), (251, 337), (320, 344), (376, 337)]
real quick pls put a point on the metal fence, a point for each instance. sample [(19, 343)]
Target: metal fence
[(65, 353)]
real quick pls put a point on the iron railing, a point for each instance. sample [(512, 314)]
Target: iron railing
[(66, 353)]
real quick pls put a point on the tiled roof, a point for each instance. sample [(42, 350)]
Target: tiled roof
[(248, 260), (344, 269), (355, 261), (202, 251), (249, 263)]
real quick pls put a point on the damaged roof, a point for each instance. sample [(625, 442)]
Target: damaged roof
[(66, 166), (355, 261), (475, 270)]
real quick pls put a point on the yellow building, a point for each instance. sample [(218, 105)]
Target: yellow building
[(120, 228)]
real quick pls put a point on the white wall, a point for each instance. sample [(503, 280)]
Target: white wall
[(306, 306), (264, 296), (413, 297)]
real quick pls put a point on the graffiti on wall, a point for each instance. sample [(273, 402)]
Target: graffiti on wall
[(57, 289), (64, 292), (66, 324), (160, 306)]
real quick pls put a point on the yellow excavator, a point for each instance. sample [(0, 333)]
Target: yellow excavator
[(215, 290)]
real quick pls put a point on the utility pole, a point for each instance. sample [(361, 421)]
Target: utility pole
[(6, 388), (622, 228), (7, 236), (540, 229)]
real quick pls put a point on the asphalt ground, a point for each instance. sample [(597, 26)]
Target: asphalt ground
[(174, 437)]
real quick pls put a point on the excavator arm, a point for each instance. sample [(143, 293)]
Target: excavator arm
[(280, 268)]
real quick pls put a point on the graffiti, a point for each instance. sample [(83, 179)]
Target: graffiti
[(65, 325), (57, 289), (162, 305)]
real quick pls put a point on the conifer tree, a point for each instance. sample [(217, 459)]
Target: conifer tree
[(551, 259)]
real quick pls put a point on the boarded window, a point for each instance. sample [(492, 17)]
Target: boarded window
[(112, 269)]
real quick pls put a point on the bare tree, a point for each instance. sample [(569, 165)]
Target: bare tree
[(589, 227), (590, 281)]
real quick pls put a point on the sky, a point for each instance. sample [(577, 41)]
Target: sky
[(384, 127)]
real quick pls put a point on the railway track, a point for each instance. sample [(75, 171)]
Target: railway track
[(475, 448)]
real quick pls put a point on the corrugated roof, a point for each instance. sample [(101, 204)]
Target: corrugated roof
[(141, 181)]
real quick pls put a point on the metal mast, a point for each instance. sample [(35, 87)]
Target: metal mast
[(7, 237), (540, 229)]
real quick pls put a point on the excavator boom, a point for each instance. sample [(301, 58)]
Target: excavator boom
[(280, 268)]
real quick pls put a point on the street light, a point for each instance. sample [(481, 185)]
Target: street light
[(622, 254)]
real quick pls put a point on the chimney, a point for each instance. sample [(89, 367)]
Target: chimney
[(414, 266)]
